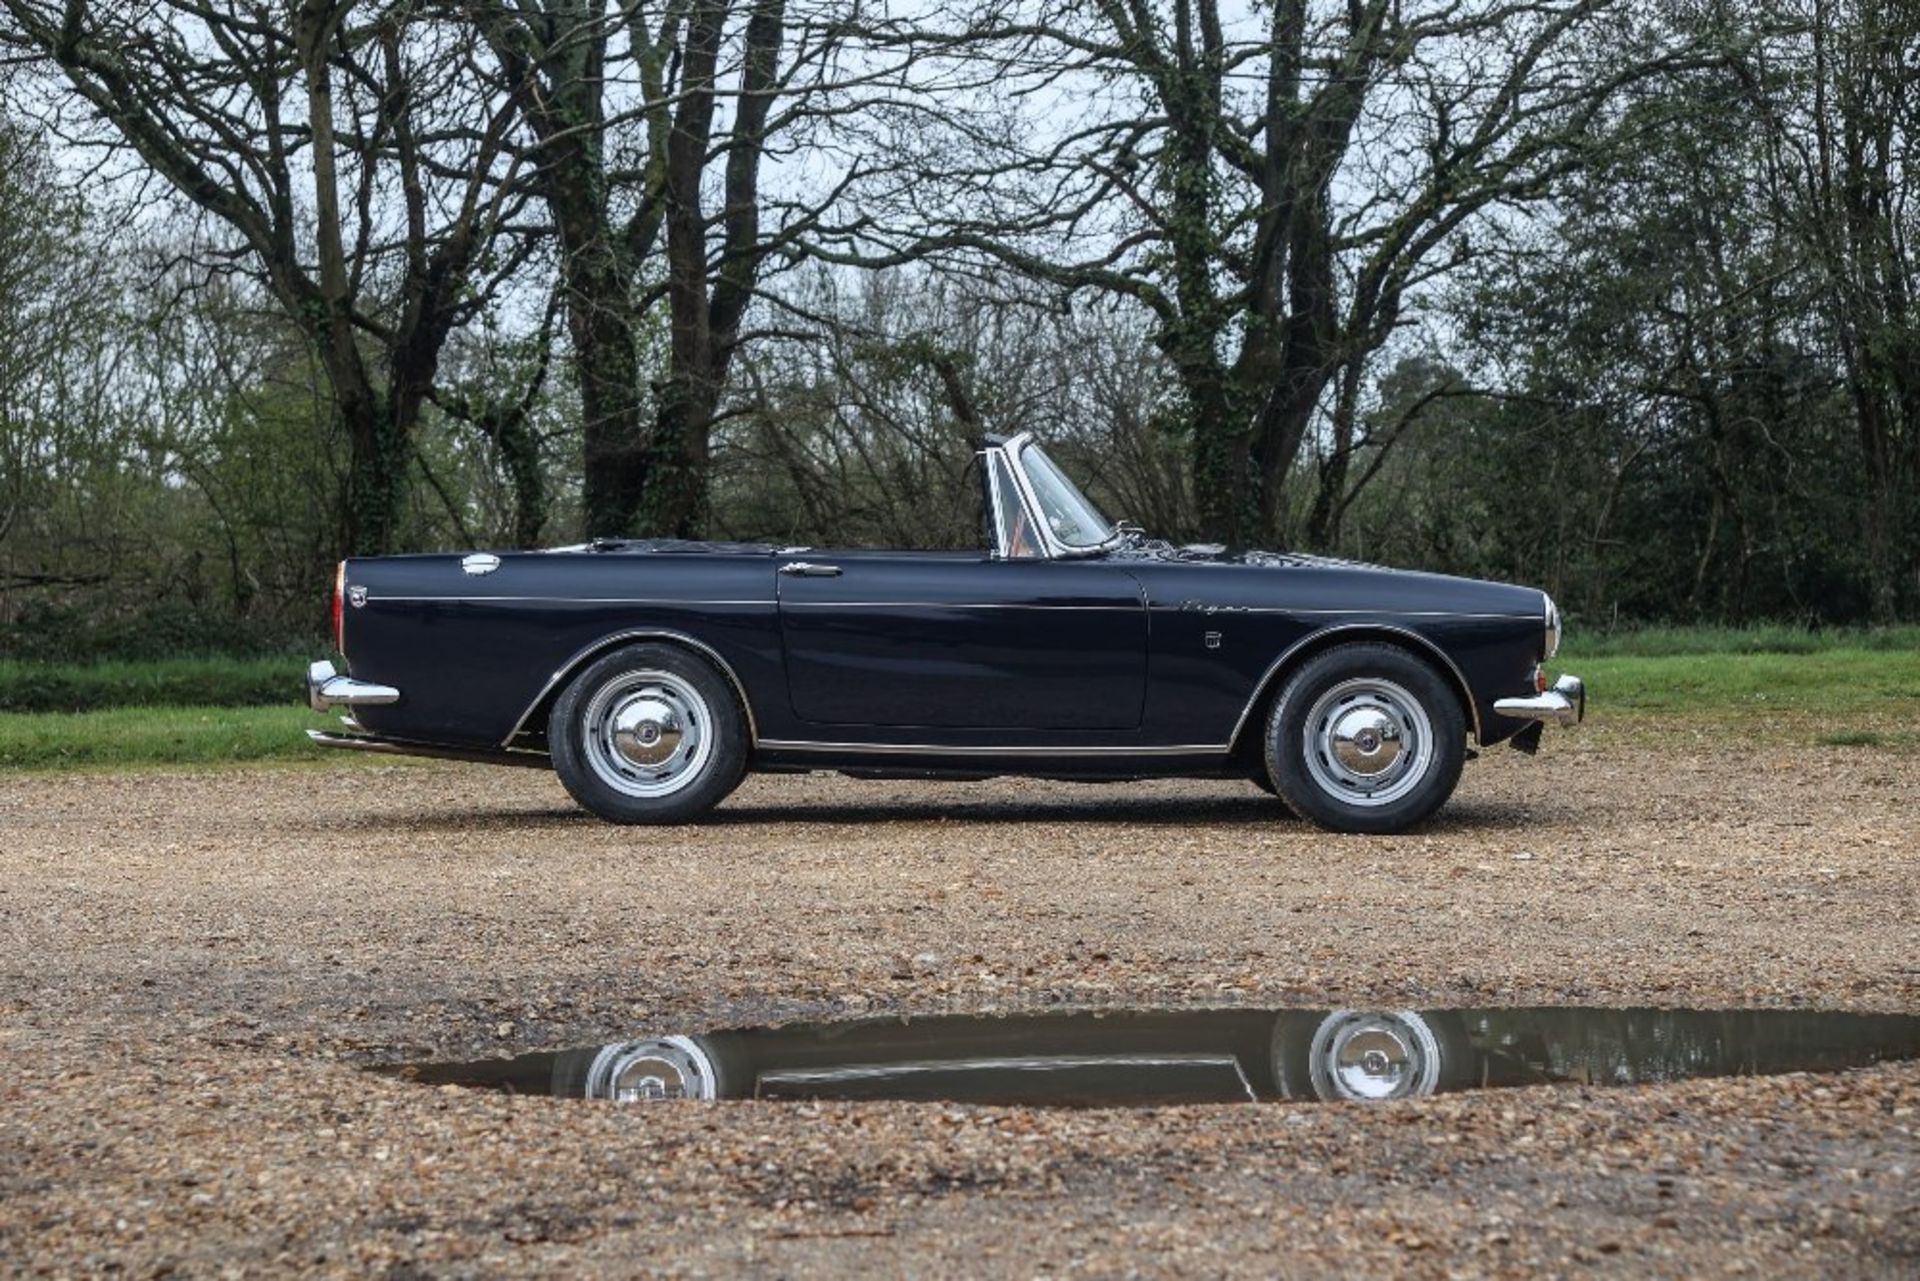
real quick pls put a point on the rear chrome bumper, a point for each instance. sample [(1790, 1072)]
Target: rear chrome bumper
[(362, 742), (326, 687), (1564, 704)]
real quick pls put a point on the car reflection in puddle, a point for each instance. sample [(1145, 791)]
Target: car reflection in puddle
[(1149, 1057)]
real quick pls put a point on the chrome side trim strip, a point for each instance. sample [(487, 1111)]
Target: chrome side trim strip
[(642, 633), (1427, 646), (936, 749), (1036, 1063), (1163, 607), (1131, 608), (572, 600), (1332, 613)]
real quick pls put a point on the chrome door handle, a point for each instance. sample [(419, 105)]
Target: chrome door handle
[(808, 569)]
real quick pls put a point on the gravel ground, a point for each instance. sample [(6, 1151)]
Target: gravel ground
[(193, 967)]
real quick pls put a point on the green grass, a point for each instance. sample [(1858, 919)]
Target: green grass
[(1774, 638), (169, 682), (1859, 698), (142, 736), (1835, 681)]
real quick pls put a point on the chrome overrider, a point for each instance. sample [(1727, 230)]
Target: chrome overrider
[(1564, 704), (326, 687)]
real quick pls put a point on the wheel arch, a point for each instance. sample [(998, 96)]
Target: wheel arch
[(535, 717), (1312, 645)]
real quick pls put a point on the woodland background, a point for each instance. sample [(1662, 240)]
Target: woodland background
[(1610, 296)]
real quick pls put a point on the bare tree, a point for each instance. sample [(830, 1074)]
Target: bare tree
[(863, 428), (652, 128), (54, 308), (498, 386), (346, 155), (1837, 91), (1273, 187)]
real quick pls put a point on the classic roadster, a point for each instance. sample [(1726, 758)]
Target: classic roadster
[(653, 674)]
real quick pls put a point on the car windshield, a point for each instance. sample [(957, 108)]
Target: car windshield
[(1070, 514)]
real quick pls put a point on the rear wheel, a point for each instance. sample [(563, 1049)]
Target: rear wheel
[(648, 734), (1366, 738)]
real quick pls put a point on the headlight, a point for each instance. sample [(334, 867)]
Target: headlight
[(1552, 643)]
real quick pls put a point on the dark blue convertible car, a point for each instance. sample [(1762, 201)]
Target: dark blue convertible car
[(653, 674)]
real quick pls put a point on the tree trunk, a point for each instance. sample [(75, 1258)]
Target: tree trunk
[(674, 504), (520, 453), (377, 444), (1278, 434), (1882, 517), (602, 321), (376, 477), (705, 326), (1217, 435), (1330, 497), (555, 55), (607, 370)]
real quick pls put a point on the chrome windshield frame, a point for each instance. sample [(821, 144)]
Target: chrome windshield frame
[(1012, 450), (992, 465)]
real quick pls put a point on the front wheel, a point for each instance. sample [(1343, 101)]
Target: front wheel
[(1371, 1055), (648, 734), (1366, 738)]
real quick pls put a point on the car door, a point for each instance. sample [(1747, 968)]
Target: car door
[(962, 641)]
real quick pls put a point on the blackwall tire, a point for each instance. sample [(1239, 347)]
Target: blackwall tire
[(1265, 784), (1366, 738), (648, 734)]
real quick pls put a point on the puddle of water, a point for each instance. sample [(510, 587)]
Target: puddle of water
[(1148, 1057)]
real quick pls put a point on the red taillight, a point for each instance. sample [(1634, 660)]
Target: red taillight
[(340, 608)]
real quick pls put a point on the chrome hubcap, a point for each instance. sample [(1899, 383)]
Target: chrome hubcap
[(669, 1067), (1367, 1055), (647, 733), (647, 730), (1368, 742)]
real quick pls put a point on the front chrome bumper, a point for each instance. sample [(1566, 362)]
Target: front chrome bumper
[(326, 687), (1564, 704)]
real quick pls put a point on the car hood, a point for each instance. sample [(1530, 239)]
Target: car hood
[(1227, 578)]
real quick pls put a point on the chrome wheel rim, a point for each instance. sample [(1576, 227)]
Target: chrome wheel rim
[(1368, 742), (1371, 1055), (647, 734), (652, 1071)]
